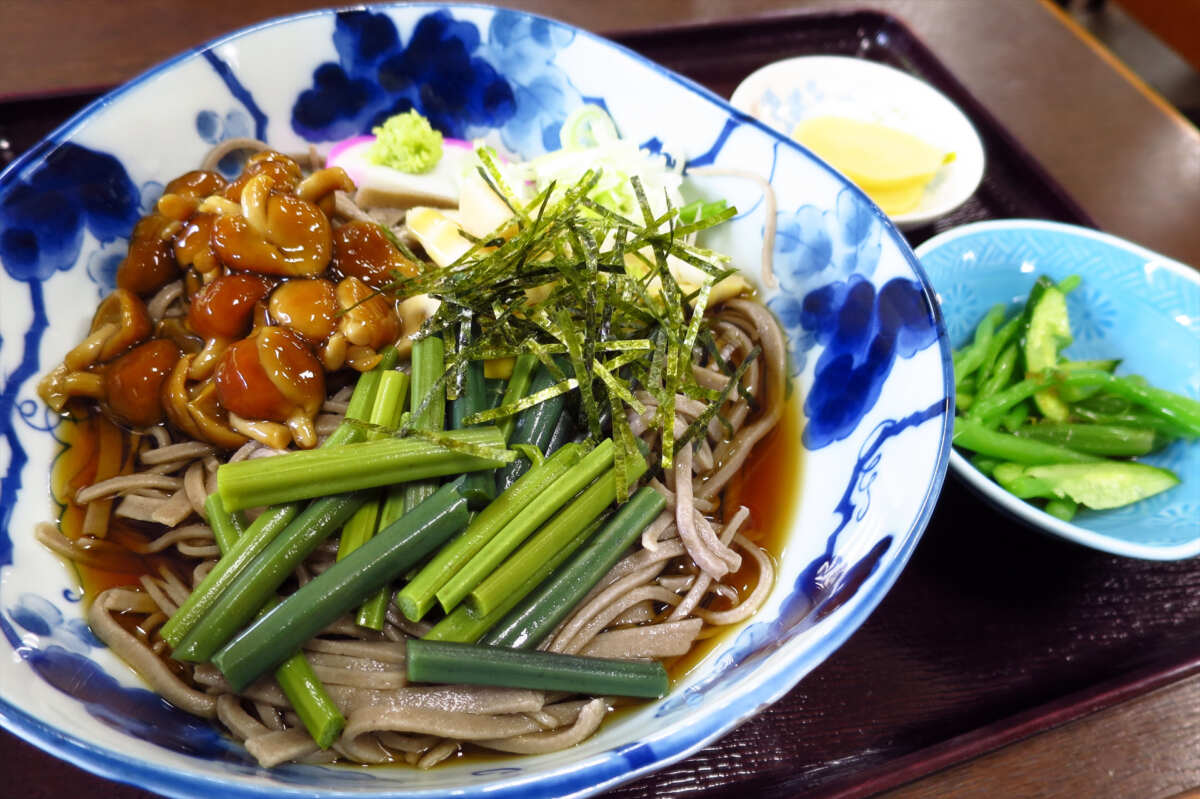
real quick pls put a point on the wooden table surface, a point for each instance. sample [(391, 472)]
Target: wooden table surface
[(1129, 159)]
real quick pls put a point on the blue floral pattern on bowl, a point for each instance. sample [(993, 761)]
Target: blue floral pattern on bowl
[(1132, 304), (824, 260), (464, 85), (863, 330), (214, 128), (814, 247), (438, 73), (45, 214)]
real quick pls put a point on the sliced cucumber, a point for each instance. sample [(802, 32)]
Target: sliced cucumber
[(1097, 485), (1049, 331)]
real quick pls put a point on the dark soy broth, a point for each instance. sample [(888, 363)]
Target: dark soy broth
[(766, 486), (92, 445)]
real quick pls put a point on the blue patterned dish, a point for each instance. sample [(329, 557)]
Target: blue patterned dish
[(1133, 304), (869, 349)]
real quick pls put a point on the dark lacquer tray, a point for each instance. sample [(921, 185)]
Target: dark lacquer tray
[(993, 631)]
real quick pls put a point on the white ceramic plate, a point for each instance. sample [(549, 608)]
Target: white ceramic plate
[(786, 93)]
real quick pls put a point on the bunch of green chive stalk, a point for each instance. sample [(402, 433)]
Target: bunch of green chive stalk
[(478, 545), (1057, 431), (503, 522)]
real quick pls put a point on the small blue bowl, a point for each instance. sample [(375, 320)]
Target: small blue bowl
[(1133, 304)]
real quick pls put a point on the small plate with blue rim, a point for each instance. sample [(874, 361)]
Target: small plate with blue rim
[(1132, 304)]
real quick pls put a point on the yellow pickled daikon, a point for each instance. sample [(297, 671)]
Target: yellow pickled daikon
[(891, 166)]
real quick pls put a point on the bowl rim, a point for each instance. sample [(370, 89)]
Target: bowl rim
[(1023, 511), (974, 142), (782, 673)]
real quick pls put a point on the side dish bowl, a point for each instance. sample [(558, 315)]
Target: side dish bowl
[(869, 351), (1132, 304)]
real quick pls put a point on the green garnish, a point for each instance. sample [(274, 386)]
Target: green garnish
[(587, 126), (417, 597), (527, 625), (450, 662), (406, 142), (319, 602), (1054, 430), (581, 281)]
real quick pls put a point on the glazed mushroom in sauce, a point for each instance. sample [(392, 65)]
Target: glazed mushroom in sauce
[(234, 302)]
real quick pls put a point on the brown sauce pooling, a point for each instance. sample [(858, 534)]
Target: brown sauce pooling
[(765, 486), (115, 560)]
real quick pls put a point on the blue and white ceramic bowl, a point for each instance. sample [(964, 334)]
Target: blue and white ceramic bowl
[(869, 351), (1133, 304)]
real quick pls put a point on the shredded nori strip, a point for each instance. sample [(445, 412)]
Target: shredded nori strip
[(565, 276)]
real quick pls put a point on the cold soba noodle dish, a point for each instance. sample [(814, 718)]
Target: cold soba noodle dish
[(411, 445)]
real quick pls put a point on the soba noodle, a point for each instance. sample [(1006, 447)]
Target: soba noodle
[(654, 603)]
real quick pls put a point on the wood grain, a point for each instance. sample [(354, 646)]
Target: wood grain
[(1144, 748)]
